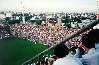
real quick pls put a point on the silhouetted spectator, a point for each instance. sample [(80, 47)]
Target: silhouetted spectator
[(61, 51)]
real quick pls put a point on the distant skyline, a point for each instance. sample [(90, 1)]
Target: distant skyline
[(49, 5)]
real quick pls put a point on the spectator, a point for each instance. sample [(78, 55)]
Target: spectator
[(95, 35), (61, 51), (73, 50), (42, 33), (91, 57)]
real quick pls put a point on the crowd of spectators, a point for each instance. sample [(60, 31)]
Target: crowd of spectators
[(3, 32), (42, 33)]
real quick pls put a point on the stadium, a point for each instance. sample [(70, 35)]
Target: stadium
[(28, 38)]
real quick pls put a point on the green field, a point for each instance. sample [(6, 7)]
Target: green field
[(14, 51)]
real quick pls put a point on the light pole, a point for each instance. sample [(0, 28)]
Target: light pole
[(23, 17)]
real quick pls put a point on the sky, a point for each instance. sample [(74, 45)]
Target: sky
[(49, 5)]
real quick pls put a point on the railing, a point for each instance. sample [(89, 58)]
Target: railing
[(70, 37)]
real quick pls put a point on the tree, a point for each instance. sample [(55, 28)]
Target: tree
[(38, 22)]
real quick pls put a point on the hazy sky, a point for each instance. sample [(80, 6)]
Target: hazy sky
[(49, 5)]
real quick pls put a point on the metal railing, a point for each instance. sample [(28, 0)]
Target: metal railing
[(70, 37)]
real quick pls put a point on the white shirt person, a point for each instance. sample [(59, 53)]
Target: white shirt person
[(64, 58), (68, 60)]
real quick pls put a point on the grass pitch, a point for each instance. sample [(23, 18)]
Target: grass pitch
[(14, 51)]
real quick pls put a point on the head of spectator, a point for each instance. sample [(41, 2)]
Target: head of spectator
[(42, 62), (54, 57), (61, 50), (73, 50), (95, 35), (87, 42), (50, 61)]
